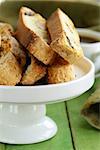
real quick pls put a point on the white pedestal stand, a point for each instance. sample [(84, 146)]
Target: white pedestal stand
[(25, 123)]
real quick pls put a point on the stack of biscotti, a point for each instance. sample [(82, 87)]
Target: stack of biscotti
[(42, 49), (13, 61), (66, 43), (58, 53)]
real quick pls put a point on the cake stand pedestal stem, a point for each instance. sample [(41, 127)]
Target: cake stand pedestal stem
[(25, 123)]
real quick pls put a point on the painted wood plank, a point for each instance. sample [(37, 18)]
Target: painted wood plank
[(2, 146), (61, 141), (85, 137)]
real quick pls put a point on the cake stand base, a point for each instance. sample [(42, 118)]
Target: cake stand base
[(25, 124)]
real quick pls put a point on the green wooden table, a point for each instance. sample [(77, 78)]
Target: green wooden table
[(74, 133)]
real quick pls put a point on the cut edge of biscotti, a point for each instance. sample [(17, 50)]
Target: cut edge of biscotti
[(64, 36), (10, 70), (34, 72), (32, 34), (9, 43)]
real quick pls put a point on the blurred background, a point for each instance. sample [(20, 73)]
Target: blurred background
[(59, 0)]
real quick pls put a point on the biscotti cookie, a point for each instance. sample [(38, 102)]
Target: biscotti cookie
[(65, 39), (34, 72), (61, 71), (5, 28), (9, 43), (32, 34), (10, 71)]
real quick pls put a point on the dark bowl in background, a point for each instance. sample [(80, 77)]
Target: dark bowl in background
[(82, 14)]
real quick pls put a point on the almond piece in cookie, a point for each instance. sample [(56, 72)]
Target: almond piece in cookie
[(34, 72), (61, 71), (65, 39), (10, 71), (32, 34)]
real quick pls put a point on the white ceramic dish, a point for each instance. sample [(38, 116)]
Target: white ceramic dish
[(90, 49), (23, 117)]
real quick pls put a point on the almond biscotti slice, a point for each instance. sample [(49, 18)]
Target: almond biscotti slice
[(10, 71), (34, 72), (60, 71), (32, 34), (9, 43), (65, 39), (5, 28)]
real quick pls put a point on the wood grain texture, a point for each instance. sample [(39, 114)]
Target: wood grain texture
[(63, 138), (85, 137)]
